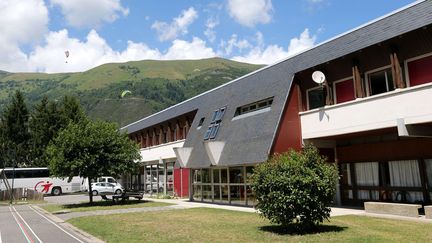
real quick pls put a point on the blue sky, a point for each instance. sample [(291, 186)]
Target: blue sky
[(38, 32)]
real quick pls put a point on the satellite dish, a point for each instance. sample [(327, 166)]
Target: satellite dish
[(318, 77)]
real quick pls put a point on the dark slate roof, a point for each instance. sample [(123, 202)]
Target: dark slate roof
[(249, 140)]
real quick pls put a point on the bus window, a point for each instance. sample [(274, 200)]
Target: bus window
[(40, 173)]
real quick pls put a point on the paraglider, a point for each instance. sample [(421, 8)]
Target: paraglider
[(67, 55), (124, 93)]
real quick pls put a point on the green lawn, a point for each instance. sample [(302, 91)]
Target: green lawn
[(101, 205), (217, 225)]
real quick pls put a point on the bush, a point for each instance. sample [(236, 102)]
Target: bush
[(295, 188)]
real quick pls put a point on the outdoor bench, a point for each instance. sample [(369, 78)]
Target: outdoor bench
[(400, 209)]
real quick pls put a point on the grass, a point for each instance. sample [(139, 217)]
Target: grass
[(217, 225), (101, 205)]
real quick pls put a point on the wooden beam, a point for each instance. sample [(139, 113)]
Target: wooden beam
[(357, 82)]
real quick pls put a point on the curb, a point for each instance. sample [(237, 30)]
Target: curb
[(82, 234)]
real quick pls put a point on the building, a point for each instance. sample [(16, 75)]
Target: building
[(372, 116)]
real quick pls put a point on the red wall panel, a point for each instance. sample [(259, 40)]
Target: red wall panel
[(181, 182), (288, 135), (344, 91), (420, 71)]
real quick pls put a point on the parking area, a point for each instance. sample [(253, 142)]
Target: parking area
[(25, 223), (70, 198)]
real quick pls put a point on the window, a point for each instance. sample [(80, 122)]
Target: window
[(380, 82), (213, 129), (315, 98), (258, 105), (220, 114), (215, 113), (201, 122)]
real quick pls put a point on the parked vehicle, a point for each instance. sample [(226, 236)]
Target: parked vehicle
[(106, 179), (104, 188), (39, 179)]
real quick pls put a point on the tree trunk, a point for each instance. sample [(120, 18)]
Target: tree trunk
[(90, 190)]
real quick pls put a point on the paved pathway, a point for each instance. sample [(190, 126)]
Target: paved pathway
[(179, 204), (25, 223), (66, 216)]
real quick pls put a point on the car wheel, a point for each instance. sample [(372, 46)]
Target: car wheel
[(56, 191), (118, 192), (95, 193)]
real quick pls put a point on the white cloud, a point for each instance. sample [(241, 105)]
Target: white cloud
[(90, 13), (210, 33), (16, 29), (196, 49), (234, 42), (23, 21), (94, 51), (179, 25), (303, 42), (273, 53), (251, 12)]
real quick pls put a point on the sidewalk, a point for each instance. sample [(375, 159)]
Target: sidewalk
[(336, 211)]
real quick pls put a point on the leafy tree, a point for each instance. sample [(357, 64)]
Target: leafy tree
[(15, 131), (91, 149), (295, 188)]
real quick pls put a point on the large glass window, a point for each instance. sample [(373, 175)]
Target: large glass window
[(205, 176), (315, 98), (367, 175), (380, 82), (405, 173), (207, 193), (236, 175), (224, 176), (237, 195), (223, 185), (170, 178), (395, 181)]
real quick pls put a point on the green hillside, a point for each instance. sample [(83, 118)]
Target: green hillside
[(155, 85)]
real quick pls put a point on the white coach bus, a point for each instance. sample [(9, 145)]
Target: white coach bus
[(39, 179)]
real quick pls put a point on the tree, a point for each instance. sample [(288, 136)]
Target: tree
[(91, 149), (295, 188), (15, 132), (71, 110), (46, 120)]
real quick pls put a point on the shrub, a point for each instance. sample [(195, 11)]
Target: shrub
[(295, 188)]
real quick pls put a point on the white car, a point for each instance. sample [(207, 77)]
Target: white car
[(105, 188)]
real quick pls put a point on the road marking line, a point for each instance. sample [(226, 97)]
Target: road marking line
[(21, 227), (28, 226), (0, 238), (49, 220)]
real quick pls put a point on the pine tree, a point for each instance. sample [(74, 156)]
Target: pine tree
[(16, 132), (71, 110), (45, 122)]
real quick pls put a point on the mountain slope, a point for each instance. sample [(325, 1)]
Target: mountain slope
[(155, 85)]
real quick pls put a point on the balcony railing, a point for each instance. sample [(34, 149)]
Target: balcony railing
[(162, 151), (413, 104)]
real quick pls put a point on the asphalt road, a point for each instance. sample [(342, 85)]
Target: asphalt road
[(23, 223)]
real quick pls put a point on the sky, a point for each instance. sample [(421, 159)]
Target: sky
[(35, 34)]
